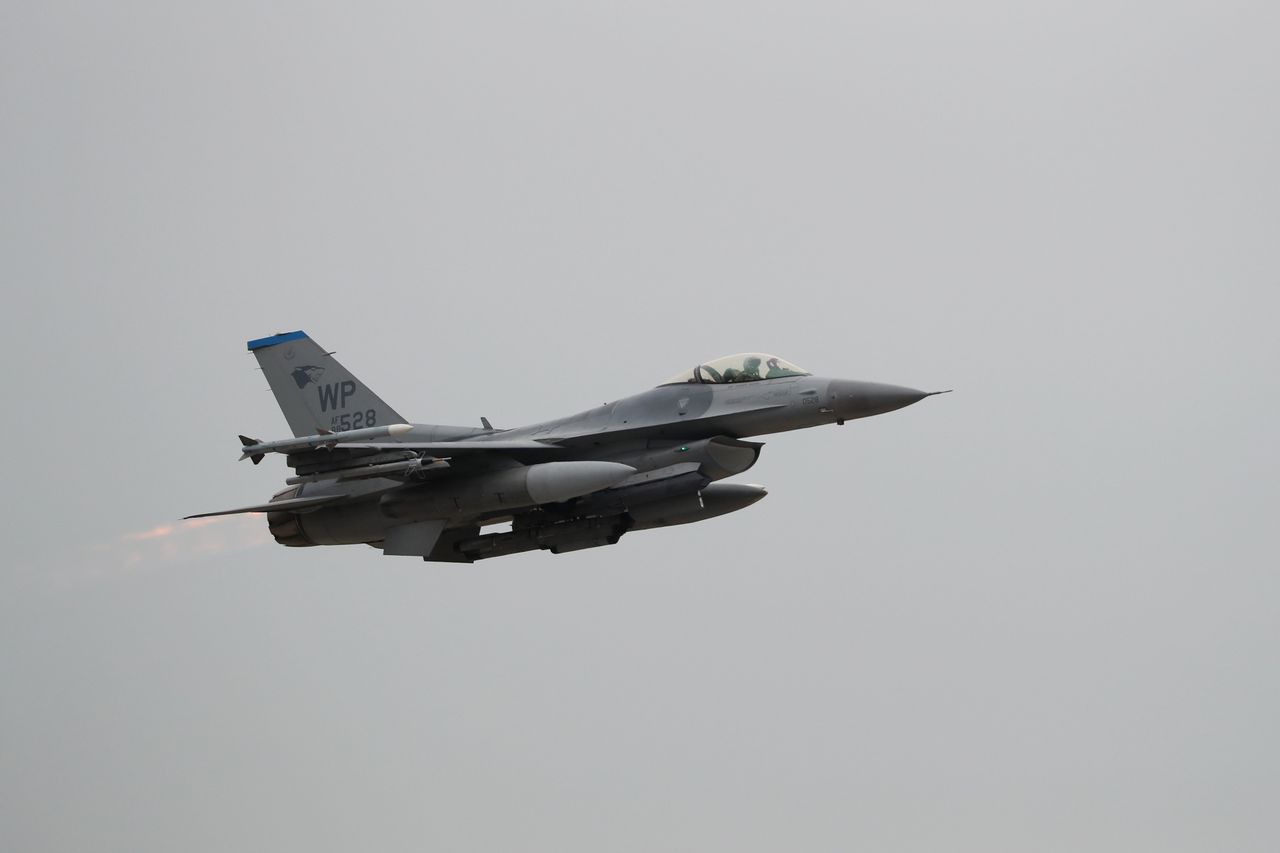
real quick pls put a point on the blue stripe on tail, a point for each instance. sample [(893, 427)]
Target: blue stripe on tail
[(275, 339)]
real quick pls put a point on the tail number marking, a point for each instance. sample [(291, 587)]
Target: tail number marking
[(355, 420)]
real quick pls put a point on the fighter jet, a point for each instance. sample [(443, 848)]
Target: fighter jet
[(364, 475)]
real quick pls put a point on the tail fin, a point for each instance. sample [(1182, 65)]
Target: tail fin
[(314, 391)]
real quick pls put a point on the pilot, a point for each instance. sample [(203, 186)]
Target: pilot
[(750, 369), (775, 369)]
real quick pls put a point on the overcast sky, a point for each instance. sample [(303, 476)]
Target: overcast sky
[(1040, 613)]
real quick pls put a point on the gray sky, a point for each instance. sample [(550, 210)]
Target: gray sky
[(1036, 614)]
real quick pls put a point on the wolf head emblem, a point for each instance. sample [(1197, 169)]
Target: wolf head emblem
[(306, 374)]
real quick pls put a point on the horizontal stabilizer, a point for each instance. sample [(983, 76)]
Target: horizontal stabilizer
[(290, 505)]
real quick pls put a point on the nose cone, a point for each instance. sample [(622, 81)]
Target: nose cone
[(852, 399)]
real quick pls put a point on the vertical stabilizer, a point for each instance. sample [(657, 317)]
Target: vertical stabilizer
[(314, 391)]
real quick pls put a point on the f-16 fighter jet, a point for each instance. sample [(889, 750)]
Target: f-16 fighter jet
[(364, 475)]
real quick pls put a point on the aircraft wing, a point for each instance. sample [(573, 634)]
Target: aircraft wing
[(290, 505)]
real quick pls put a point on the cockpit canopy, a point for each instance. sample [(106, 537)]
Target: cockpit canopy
[(743, 367)]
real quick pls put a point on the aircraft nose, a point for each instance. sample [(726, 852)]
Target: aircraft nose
[(853, 399)]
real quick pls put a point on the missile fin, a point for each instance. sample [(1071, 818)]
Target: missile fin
[(245, 441)]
